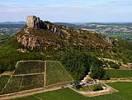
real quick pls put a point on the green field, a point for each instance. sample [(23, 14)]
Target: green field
[(124, 93), (56, 73), (120, 73)]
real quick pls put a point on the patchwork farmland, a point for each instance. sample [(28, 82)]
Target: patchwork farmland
[(32, 75)]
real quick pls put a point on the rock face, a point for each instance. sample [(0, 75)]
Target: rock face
[(38, 34), (34, 22), (28, 41), (44, 35)]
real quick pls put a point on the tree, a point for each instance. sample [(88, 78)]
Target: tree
[(79, 63), (97, 72)]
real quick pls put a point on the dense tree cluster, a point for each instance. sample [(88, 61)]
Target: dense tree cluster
[(80, 63)]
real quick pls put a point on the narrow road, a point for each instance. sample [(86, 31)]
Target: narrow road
[(26, 93)]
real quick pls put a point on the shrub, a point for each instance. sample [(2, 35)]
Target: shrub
[(77, 85), (97, 87), (94, 87), (97, 72), (106, 76), (114, 65)]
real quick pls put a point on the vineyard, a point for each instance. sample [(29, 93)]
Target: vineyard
[(34, 74), (56, 73)]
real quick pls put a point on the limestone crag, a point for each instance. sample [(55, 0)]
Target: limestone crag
[(34, 22), (36, 42), (28, 41), (44, 35)]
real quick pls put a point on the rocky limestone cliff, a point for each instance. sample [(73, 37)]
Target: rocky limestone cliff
[(42, 35), (34, 22)]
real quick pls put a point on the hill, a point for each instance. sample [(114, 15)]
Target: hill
[(43, 40), (44, 35), (118, 30), (40, 40)]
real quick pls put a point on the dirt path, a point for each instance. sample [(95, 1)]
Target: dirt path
[(8, 73), (26, 93), (108, 90), (45, 73), (117, 80), (28, 74), (107, 59)]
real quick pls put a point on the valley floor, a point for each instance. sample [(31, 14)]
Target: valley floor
[(124, 93)]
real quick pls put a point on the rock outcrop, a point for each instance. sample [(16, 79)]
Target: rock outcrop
[(34, 22), (28, 41), (42, 35)]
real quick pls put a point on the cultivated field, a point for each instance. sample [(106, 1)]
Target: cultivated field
[(3, 81), (28, 75), (33, 74), (124, 93), (120, 73), (56, 73), (26, 67)]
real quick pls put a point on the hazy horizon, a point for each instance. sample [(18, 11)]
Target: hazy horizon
[(70, 22), (73, 11)]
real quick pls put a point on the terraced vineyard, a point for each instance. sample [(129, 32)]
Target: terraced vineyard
[(34, 74), (124, 93)]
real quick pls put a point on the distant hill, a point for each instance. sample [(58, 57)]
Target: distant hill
[(116, 30), (11, 25), (19, 22), (10, 28)]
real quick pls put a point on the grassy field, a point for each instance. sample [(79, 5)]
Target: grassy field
[(56, 73), (120, 73), (124, 93)]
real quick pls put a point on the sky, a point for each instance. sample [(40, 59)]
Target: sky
[(67, 10)]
